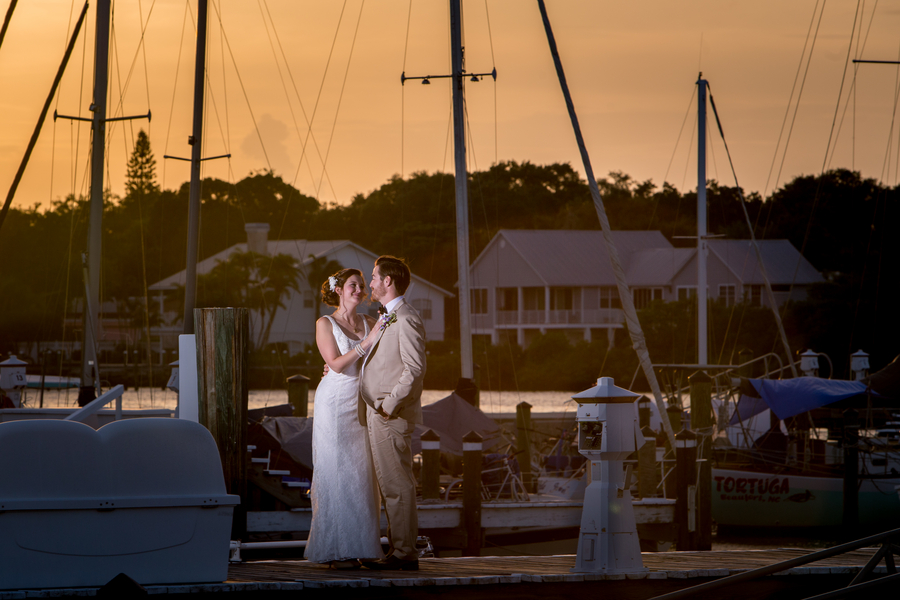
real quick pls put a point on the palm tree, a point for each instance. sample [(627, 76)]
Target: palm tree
[(252, 280)]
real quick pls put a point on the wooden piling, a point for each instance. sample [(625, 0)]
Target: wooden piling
[(431, 465), (523, 444), (676, 417), (223, 341), (298, 394), (644, 412), (702, 425), (685, 503), (648, 469), (851, 472), (472, 494)]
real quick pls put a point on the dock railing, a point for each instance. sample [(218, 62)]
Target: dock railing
[(890, 545), (94, 406)]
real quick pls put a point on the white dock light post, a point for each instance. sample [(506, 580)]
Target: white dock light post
[(12, 379), (608, 540), (809, 364), (859, 364)]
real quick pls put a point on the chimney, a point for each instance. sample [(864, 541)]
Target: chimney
[(257, 237)]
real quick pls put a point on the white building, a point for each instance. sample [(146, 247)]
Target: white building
[(294, 325), (527, 282)]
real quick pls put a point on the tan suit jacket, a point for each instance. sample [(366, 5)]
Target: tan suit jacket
[(394, 368)]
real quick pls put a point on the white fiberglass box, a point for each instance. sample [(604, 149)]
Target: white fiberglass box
[(144, 497)]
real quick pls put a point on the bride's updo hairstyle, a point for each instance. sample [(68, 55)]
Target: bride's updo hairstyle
[(329, 296)]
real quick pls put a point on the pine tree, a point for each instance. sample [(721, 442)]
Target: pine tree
[(141, 178)]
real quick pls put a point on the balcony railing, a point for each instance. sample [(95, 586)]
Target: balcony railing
[(603, 316)]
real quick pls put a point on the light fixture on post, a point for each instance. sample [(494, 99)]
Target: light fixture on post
[(607, 433)]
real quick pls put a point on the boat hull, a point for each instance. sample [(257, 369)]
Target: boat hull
[(759, 499)]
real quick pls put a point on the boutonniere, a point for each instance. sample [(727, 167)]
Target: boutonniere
[(387, 320)]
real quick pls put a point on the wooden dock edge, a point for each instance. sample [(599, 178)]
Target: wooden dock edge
[(368, 584)]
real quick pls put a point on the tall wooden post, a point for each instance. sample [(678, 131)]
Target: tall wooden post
[(223, 337), (675, 415), (851, 472), (648, 470), (431, 465), (686, 503), (472, 493), (702, 425), (644, 412), (298, 394), (523, 443)]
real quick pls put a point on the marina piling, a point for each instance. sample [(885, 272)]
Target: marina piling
[(648, 470), (223, 338), (472, 494), (702, 425), (851, 471), (686, 500), (298, 394), (523, 443), (431, 465)]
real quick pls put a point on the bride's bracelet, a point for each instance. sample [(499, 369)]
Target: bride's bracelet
[(359, 350)]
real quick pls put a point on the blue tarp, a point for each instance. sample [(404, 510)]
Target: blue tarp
[(791, 397)]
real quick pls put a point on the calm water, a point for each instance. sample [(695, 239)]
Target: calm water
[(491, 402)]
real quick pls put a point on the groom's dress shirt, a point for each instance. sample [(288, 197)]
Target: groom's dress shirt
[(390, 306)]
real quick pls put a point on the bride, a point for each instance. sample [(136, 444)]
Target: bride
[(345, 504)]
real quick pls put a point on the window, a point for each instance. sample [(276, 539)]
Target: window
[(533, 298), (479, 301), (423, 306), (686, 292), (507, 299), (609, 297), (754, 294), (728, 294), (562, 298), (307, 299), (644, 296)]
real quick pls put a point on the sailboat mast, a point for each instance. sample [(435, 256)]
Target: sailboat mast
[(91, 312), (701, 223), (462, 200), (190, 284)]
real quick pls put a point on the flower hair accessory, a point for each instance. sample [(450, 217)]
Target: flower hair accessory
[(332, 282), (387, 320)]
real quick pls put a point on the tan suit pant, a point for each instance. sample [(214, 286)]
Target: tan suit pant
[(392, 455)]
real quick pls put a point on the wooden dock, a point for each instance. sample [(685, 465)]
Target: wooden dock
[(519, 577), (504, 520)]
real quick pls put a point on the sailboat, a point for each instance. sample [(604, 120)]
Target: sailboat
[(825, 472), (90, 381)]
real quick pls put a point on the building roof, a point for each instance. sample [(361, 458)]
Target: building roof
[(305, 251), (784, 263), (560, 257), (657, 266), (566, 257)]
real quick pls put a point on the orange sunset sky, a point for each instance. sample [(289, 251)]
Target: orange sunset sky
[(631, 67)]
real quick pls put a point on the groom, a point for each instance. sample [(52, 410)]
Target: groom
[(390, 392)]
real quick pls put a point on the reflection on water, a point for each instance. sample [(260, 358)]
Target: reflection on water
[(144, 398)]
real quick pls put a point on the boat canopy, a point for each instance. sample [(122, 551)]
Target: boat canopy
[(790, 397)]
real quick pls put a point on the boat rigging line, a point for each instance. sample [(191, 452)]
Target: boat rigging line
[(634, 325), (37, 128), (762, 267)]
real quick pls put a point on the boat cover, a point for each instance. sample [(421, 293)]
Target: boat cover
[(451, 418), (790, 397)]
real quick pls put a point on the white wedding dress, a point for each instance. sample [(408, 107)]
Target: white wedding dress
[(346, 509)]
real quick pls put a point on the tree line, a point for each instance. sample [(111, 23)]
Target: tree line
[(844, 225)]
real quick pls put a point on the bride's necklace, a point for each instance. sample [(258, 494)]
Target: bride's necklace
[(351, 324)]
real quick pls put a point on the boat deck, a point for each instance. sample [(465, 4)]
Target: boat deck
[(522, 577)]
